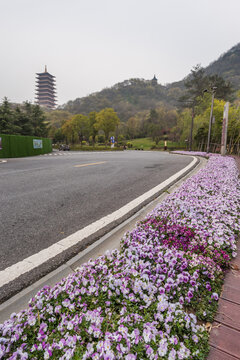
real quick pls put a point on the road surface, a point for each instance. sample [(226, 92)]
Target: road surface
[(46, 198)]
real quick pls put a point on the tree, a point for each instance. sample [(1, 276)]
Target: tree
[(196, 84), (224, 88), (58, 136), (181, 130), (57, 118), (92, 121), (69, 131), (25, 119), (132, 127), (159, 122), (7, 125), (198, 81), (202, 122), (38, 119), (23, 122), (154, 126), (81, 126), (106, 120)]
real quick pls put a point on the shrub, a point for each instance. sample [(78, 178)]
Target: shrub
[(100, 139)]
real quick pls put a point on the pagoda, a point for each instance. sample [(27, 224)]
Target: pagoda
[(46, 90), (154, 81)]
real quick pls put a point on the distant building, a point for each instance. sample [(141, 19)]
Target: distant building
[(46, 90), (154, 80)]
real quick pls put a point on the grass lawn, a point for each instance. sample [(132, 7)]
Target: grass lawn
[(79, 147), (147, 143)]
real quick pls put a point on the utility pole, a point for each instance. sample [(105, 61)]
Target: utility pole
[(213, 91), (224, 129), (191, 130)]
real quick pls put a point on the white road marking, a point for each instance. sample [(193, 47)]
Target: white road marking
[(14, 271), (91, 164)]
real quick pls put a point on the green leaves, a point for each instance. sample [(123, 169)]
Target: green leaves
[(106, 120), (26, 119), (81, 127)]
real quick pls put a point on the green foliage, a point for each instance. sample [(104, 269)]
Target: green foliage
[(133, 98), (81, 126), (25, 127), (227, 66), (37, 118), (92, 122), (99, 147), (127, 98), (224, 88), (26, 119), (58, 136), (198, 83), (106, 120), (100, 139), (202, 123), (57, 118), (200, 88), (7, 118), (145, 143), (141, 105), (69, 132), (181, 130), (121, 140), (148, 143), (129, 144), (160, 122), (132, 127)]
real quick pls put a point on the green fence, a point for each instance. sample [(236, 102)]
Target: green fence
[(20, 146)]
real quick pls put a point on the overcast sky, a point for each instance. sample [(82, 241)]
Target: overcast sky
[(92, 44)]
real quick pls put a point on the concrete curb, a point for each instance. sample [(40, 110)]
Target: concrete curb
[(107, 238)]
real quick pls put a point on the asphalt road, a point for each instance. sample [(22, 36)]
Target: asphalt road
[(46, 198)]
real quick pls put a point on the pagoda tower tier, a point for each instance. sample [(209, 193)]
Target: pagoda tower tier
[(46, 90)]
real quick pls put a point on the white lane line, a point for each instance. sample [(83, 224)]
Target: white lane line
[(14, 271), (91, 164)]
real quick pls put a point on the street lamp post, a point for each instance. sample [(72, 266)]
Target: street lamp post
[(191, 130), (213, 91)]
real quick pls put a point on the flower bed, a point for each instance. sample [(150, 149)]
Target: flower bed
[(148, 300)]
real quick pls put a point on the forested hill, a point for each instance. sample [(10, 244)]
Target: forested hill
[(127, 98), (135, 95), (228, 66)]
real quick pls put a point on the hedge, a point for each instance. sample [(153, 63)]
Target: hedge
[(20, 146)]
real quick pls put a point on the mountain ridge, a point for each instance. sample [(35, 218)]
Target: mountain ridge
[(136, 95)]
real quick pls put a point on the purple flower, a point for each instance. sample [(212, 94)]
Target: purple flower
[(214, 296), (131, 357)]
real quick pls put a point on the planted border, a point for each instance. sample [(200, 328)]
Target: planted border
[(149, 300)]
